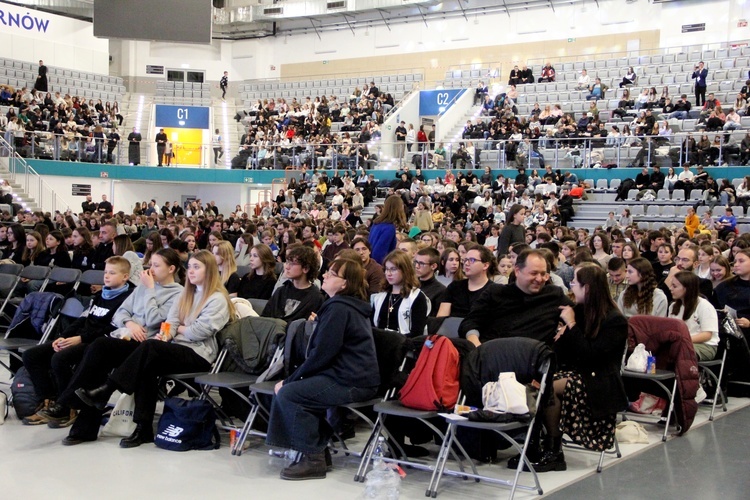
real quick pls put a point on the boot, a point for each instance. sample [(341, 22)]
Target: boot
[(329, 460), (552, 458), (533, 452), (141, 435), (96, 398), (309, 466)]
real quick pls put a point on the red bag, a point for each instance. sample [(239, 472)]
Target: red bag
[(576, 192), (433, 383)]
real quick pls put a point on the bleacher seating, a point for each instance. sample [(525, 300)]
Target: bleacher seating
[(20, 74), (397, 85), (185, 92)]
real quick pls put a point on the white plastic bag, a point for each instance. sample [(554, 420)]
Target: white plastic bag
[(507, 395), (631, 432), (120, 423), (638, 361)]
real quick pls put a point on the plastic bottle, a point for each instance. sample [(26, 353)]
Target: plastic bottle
[(382, 482)]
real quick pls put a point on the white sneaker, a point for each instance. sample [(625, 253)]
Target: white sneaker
[(700, 395)]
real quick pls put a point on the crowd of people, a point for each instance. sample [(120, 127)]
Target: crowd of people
[(490, 251)]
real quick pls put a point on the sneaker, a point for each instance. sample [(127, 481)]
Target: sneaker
[(60, 416), (700, 395), (40, 417)]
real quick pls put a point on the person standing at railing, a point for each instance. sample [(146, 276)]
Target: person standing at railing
[(400, 140), (114, 140), (134, 147), (161, 145)]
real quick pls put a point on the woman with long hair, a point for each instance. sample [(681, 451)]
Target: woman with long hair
[(34, 248), (341, 368), (450, 265), (224, 255), (16, 243), (384, 227), (642, 297), (56, 253), (201, 311), (83, 249), (705, 257), (259, 282), (630, 251), (600, 248), (721, 270), (587, 389), (697, 313), (402, 307), (153, 243)]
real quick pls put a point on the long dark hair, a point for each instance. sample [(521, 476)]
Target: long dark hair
[(691, 282), (599, 302), (172, 258), (643, 295)]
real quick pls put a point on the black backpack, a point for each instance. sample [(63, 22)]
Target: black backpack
[(25, 400)]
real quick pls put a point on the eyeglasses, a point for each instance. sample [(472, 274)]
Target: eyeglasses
[(390, 270), (332, 274), (292, 263), (471, 260), (420, 264)]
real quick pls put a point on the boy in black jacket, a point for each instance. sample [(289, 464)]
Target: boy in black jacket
[(50, 365)]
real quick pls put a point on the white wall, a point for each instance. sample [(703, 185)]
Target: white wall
[(125, 194), (63, 42), (720, 19)]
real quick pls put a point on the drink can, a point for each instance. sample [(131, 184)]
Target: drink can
[(232, 438), (165, 332), (651, 365)]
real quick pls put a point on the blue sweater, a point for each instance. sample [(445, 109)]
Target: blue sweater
[(382, 240), (342, 345)]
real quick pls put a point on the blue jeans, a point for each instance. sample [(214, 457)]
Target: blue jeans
[(298, 412)]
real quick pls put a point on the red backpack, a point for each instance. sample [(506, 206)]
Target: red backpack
[(433, 383)]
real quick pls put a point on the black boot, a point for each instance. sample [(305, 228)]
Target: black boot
[(96, 398), (533, 452), (309, 466), (328, 459), (552, 458), (141, 435)]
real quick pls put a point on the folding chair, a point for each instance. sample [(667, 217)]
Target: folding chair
[(258, 305), (12, 269), (707, 368), (68, 276), (395, 408), (242, 271), (526, 349)]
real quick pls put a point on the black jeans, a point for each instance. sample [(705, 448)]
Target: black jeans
[(139, 373), (298, 412), (700, 95), (51, 371)]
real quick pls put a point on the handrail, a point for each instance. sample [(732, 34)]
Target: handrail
[(31, 181)]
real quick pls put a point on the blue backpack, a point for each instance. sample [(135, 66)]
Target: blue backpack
[(187, 425)]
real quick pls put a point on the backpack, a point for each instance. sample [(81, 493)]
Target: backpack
[(433, 383), (187, 425), (25, 399)]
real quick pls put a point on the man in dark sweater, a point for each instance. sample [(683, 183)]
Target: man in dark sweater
[(513, 232), (426, 264), (104, 250), (337, 238), (88, 205), (297, 297), (530, 307), (50, 365)]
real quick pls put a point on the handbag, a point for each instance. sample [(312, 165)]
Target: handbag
[(187, 425), (631, 432), (120, 421), (638, 361), (507, 395)]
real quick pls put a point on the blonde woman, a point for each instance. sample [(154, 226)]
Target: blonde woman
[(224, 255)]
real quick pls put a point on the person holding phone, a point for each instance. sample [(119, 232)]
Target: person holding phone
[(700, 73)]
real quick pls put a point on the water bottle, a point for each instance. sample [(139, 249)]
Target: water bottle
[(3, 407), (383, 482)]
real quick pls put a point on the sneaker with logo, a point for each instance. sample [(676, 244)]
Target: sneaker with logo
[(40, 417)]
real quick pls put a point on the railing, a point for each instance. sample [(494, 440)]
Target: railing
[(32, 184), (573, 150)]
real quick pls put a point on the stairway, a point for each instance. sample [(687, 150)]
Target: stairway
[(230, 130), (17, 189)]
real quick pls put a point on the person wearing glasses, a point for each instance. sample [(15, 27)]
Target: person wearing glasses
[(341, 368), (426, 263), (297, 297), (529, 307), (402, 307), (479, 264)]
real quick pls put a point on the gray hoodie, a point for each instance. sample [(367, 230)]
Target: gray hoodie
[(200, 334), (147, 307)]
